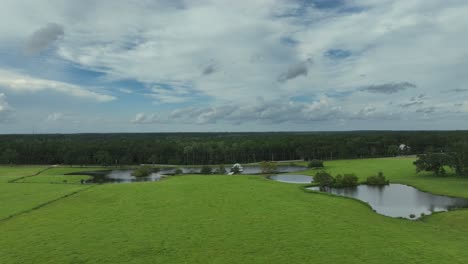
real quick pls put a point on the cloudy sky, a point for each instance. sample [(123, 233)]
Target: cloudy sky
[(245, 65)]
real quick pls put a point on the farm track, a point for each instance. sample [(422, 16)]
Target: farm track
[(37, 207), (27, 176)]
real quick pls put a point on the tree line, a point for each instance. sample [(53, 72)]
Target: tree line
[(217, 148)]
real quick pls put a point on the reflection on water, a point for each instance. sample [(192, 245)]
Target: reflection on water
[(398, 200), (292, 178), (280, 169), (247, 169), (120, 176), (124, 176)]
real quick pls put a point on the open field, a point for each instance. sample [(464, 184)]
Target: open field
[(226, 219), (16, 197), (8, 173), (57, 175)]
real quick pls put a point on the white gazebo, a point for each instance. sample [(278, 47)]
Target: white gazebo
[(237, 167), (403, 147)]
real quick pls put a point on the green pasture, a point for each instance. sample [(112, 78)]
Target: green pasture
[(224, 219)]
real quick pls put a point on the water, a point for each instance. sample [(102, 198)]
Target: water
[(280, 169), (292, 178), (119, 176), (247, 169), (398, 200), (125, 176)]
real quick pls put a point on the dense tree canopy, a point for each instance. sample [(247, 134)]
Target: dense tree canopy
[(455, 156), (216, 148), (459, 158), (433, 162)]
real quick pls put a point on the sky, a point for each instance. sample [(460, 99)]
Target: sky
[(247, 65)]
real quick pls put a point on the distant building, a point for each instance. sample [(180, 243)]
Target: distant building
[(404, 147)]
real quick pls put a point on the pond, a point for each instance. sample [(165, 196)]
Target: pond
[(398, 200), (292, 178), (125, 176), (248, 169), (118, 176), (280, 169)]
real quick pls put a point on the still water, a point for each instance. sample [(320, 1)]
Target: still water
[(118, 176), (125, 176), (398, 200), (292, 178)]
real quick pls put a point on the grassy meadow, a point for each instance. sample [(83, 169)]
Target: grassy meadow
[(222, 219), (8, 173), (58, 175)]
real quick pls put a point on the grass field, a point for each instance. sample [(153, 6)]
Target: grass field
[(58, 175), (8, 173), (228, 219), (16, 197)]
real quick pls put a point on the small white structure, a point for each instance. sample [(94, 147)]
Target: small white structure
[(404, 147), (237, 167)]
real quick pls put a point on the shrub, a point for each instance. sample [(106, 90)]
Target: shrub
[(315, 164), (206, 169), (350, 180), (378, 179), (347, 180), (268, 167), (221, 169), (338, 182), (324, 179), (142, 171), (178, 171)]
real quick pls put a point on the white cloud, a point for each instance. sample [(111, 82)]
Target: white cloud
[(125, 90), (139, 118), (174, 95), (265, 112), (55, 117), (142, 118), (232, 52), (5, 108), (465, 106), (389, 41), (21, 83)]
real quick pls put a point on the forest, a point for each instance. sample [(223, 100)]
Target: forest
[(218, 148)]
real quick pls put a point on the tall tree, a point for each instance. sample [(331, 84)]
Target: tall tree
[(433, 162), (459, 158)]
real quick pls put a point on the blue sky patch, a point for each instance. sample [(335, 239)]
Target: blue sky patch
[(338, 54)]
